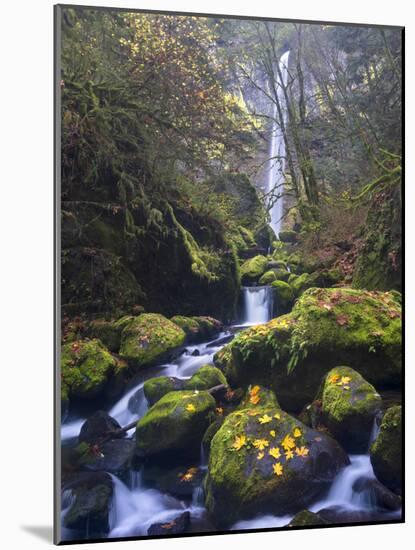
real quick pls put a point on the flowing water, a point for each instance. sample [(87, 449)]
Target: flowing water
[(258, 305), (276, 163)]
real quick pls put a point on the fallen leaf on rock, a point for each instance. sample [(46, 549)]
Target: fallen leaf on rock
[(240, 441), (274, 452), (277, 469), (302, 451), (264, 419), (288, 442), (190, 407), (297, 432), (261, 444)]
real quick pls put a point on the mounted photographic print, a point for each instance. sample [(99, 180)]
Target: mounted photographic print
[(228, 274)]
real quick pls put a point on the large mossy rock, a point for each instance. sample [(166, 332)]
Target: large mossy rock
[(109, 332), (326, 327), (252, 269), (288, 236), (386, 450), (267, 278), (350, 406), (263, 461), (175, 425), (198, 329), (284, 296), (205, 378), (90, 508), (150, 338), (86, 368)]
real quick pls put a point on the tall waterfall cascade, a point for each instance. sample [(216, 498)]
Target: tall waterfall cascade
[(276, 162)]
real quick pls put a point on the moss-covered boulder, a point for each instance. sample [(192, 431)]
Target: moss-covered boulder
[(90, 505), (349, 408), (386, 450), (265, 461), (175, 425), (292, 353), (302, 283), (252, 269), (198, 329), (109, 332), (267, 277), (284, 296), (150, 338), (156, 388), (86, 368), (205, 378), (305, 518), (258, 397)]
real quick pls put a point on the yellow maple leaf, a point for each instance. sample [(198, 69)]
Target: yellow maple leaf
[(274, 452), (260, 444), (260, 455), (188, 475), (240, 441), (288, 442), (344, 380), (333, 378), (190, 407), (277, 416), (289, 455), (297, 432), (219, 410), (346, 387), (277, 469), (302, 451), (264, 419), (255, 399), (253, 413), (254, 390), (272, 433)]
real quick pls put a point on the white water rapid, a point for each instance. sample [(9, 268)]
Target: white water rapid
[(257, 302), (276, 163)]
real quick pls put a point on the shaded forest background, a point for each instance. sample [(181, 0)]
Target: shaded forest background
[(165, 122)]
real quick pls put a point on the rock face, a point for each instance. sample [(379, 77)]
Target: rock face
[(175, 425), (178, 525), (86, 367), (378, 493), (291, 353), (284, 295), (97, 425), (349, 408), (113, 456), (205, 378), (264, 461), (92, 495), (252, 269), (150, 338), (386, 450)]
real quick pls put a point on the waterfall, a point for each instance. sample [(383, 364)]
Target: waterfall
[(257, 301), (276, 163)]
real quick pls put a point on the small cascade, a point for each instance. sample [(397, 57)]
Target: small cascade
[(257, 301), (275, 182)]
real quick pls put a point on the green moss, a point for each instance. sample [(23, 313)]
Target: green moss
[(188, 324), (241, 484), (267, 277), (252, 269), (326, 326), (149, 338), (302, 283), (175, 424), (156, 388), (205, 378), (86, 366), (284, 295), (288, 236), (109, 332), (349, 407), (386, 450), (257, 397)]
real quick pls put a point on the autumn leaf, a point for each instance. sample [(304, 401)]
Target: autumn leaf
[(289, 455), (344, 381), (253, 413), (260, 455), (288, 442), (189, 474), (254, 399), (261, 444), (277, 416), (240, 441), (219, 410), (190, 407), (334, 378), (297, 432), (168, 525), (302, 451), (264, 419), (272, 433), (274, 452), (277, 469), (254, 390)]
